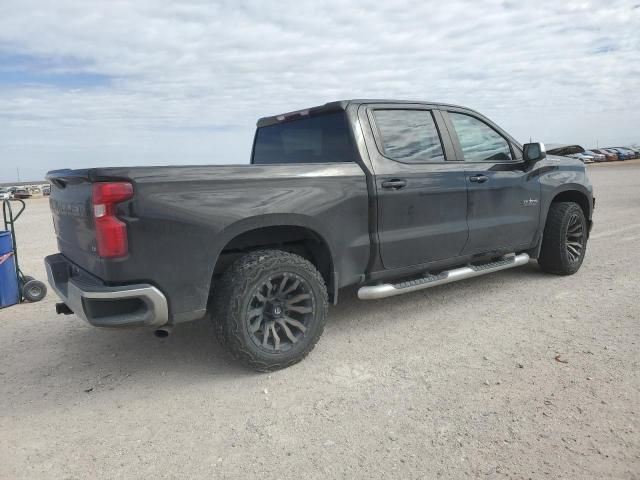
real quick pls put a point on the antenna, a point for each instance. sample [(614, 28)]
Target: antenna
[(18, 171)]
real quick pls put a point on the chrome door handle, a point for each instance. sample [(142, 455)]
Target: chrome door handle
[(478, 178), (395, 184)]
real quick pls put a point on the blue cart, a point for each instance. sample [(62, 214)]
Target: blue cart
[(15, 287)]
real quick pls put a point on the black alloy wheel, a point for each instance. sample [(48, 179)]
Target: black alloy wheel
[(574, 242), (280, 311), (564, 241), (269, 308)]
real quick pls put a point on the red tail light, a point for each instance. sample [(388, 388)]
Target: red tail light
[(111, 233)]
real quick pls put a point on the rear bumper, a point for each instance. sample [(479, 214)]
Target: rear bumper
[(140, 305)]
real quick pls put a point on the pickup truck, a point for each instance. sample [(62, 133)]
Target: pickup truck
[(389, 196)]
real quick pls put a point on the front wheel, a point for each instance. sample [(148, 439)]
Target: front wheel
[(269, 309), (564, 242)]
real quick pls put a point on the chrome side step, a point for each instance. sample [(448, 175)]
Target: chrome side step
[(372, 292)]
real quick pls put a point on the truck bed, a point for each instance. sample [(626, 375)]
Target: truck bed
[(181, 218)]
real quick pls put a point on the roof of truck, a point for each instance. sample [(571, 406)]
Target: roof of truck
[(337, 106)]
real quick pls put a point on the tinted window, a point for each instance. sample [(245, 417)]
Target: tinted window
[(324, 138), (478, 140), (409, 135)]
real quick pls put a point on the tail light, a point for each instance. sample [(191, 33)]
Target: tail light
[(111, 233)]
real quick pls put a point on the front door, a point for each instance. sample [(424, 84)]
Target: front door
[(421, 197), (503, 199)]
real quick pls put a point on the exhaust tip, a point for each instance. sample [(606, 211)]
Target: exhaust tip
[(163, 332), (63, 308)]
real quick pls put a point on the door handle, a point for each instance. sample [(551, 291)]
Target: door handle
[(478, 178), (395, 184)]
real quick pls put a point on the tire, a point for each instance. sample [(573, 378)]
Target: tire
[(34, 290), (564, 241), (263, 334), (25, 279)]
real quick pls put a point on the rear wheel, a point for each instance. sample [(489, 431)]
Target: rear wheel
[(269, 309), (565, 239)]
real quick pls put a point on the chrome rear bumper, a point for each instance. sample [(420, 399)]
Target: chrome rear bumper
[(140, 305)]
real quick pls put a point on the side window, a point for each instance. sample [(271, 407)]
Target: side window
[(479, 142), (409, 135)]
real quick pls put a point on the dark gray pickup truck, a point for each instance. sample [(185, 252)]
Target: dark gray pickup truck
[(391, 196)]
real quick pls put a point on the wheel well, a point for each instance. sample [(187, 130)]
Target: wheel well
[(299, 240), (577, 197)]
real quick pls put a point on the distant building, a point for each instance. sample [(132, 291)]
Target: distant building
[(24, 184)]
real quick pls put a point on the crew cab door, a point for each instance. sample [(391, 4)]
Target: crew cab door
[(503, 199), (421, 198)]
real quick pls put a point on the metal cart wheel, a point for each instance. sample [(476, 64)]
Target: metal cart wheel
[(34, 290)]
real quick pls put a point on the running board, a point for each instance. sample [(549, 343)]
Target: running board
[(372, 292)]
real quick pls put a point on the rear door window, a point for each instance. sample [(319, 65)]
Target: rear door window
[(409, 136), (319, 139)]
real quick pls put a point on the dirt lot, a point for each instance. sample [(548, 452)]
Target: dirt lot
[(453, 382)]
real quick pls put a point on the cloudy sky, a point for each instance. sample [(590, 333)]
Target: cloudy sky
[(151, 82)]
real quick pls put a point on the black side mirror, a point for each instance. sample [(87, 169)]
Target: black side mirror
[(533, 152)]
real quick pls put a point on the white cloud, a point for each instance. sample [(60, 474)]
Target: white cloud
[(189, 80)]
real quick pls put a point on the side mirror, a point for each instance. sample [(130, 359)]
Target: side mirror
[(533, 152)]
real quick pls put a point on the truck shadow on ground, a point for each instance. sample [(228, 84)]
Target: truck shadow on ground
[(89, 359), (192, 346)]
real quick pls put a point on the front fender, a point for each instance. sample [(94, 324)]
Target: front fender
[(558, 176)]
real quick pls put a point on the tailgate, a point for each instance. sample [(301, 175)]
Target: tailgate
[(70, 203)]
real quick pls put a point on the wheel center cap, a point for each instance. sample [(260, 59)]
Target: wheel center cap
[(277, 310)]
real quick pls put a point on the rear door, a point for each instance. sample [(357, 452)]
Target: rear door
[(504, 200), (421, 197)]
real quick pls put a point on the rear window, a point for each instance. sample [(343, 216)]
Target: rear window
[(320, 139)]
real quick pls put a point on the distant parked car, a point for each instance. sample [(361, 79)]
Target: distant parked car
[(597, 157), (636, 150), (5, 194), (615, 152), (610, 156), (46, 190), (630, 151), (21, 193), (622, 153), (582, 156)]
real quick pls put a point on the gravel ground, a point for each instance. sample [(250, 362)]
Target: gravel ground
[(457, 381)]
